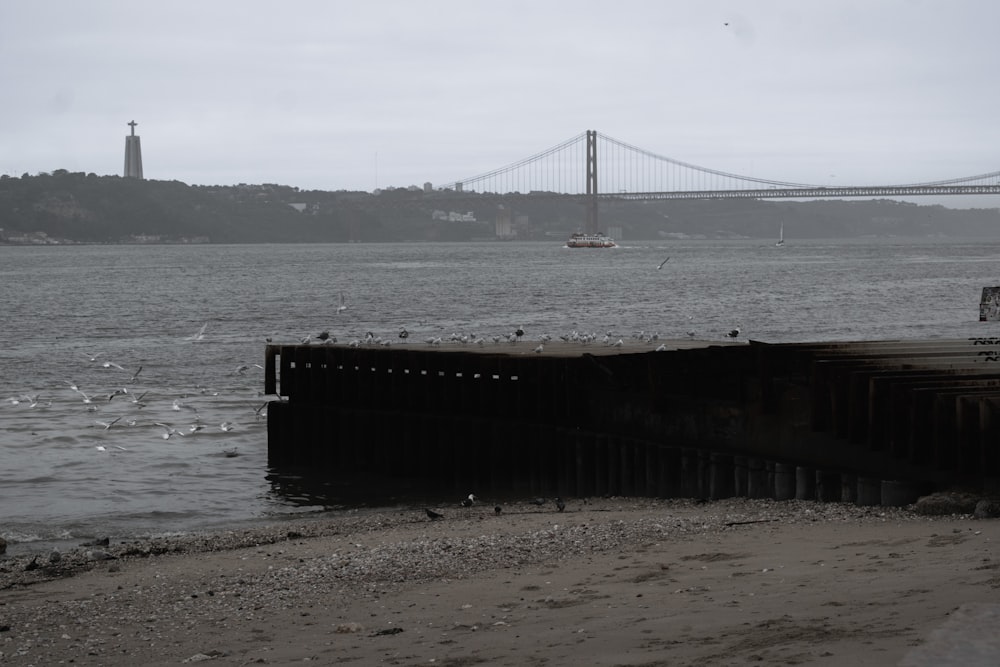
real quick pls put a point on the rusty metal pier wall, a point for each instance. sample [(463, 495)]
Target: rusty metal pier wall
[(866, 422)]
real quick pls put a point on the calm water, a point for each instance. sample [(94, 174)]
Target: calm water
[(66, 477)]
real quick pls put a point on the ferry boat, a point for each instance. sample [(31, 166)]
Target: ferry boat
[(590, 241)]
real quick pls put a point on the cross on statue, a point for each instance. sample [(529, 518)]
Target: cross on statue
[(133, 124)]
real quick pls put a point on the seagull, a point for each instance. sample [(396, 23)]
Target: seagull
[(325, 337), (662, 263), (432, 515), (518, 333), (169, 430), (86, 398), (111, 364), (200, 334), (109, 424), (467, 502), (34, 401), (227, 426), (135, 376), (560, 504), (93, 357), (734, 333), (403, 333), (178, 406), (497, 510), (343, 306), (540, 348)]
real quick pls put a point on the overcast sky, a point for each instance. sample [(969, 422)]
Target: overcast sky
[(355, 95)]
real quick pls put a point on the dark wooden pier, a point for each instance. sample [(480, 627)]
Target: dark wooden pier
[(867, 422)]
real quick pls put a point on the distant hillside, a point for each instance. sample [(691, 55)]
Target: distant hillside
[(69, 207)]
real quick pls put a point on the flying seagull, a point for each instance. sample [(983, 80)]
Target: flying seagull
[(662, 263), (201, 333)]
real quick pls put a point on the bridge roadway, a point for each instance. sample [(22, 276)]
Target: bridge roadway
[(869, 421), (815, 192)]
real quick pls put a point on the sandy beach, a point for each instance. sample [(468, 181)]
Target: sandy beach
[(611, 582)]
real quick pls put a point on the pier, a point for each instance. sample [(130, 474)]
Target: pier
[(877, 422)]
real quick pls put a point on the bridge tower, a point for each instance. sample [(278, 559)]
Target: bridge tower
[(133, 154), (592, 226)]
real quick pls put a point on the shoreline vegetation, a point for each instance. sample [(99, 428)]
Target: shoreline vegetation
[(606, 581), (66, 208)]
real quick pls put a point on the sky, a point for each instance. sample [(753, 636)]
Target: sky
[(349, 95)]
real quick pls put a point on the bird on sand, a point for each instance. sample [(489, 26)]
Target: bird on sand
[(497, 510), (432, 515), (468, 502), (560, 505)]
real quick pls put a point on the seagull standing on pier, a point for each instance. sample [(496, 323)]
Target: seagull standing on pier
[(734, 333)]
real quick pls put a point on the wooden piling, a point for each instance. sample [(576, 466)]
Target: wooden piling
[(705, 422)]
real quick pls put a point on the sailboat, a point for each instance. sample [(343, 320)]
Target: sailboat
[(781, 236)]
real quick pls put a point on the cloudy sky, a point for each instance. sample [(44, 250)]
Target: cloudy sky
[(352, 95)]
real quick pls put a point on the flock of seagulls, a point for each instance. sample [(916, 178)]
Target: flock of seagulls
[(608, 339), (471, 499), (137, 403)]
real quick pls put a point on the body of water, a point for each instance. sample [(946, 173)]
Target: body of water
[(91, 445)]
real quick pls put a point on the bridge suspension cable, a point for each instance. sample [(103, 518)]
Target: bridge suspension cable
[(629, 171)]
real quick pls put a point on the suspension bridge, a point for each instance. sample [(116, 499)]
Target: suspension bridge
[(591, 167)]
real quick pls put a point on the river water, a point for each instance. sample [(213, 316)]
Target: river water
[(195, 319)]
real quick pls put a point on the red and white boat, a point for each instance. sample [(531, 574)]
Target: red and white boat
[(590, 241)]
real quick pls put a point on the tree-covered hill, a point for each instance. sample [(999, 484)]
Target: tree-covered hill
[(68, 207)]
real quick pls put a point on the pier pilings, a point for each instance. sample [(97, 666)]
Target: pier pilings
[(868, 422)]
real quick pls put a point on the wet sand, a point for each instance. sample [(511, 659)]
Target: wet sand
[(607, 582)]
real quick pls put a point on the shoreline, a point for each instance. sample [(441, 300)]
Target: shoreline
[(616, 581)]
